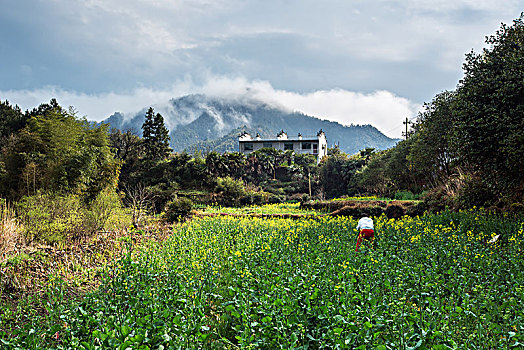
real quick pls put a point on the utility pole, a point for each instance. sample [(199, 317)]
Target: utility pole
[(406, 123)]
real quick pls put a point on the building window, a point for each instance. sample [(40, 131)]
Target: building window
[(306, 145), (248, 146), (267, 145), (288, 146), (315, 148)]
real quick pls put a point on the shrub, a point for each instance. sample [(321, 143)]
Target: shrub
[(230, 190), (474, 192), (404, 196), (178, 209), (438, 199), (102, 209), (254, 198), (52, 218), (275, 199), (160, 195)]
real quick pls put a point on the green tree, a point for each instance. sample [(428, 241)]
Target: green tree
[(58, 152), (430, 152), (11, 120), (488, 126), (155, 136), (337, 171), (128, 148), (372, 178)]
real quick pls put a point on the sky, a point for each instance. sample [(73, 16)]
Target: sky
[(351, 61)]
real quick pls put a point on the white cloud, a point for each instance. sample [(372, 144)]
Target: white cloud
[(381, 109)]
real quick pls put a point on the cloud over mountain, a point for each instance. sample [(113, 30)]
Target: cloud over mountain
[(382, 109)]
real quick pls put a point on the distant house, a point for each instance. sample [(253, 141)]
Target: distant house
[(315, 145)]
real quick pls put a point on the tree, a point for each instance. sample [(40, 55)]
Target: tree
[(430, 153), (156, 137), (372, 178), (128, 148), (11, 120), (56, 151), (488, 125)]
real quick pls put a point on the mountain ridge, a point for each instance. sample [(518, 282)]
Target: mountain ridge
[(197, 122)]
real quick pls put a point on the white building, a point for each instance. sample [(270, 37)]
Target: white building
[(316, 145)]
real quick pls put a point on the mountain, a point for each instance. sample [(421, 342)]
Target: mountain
[(208, 123)]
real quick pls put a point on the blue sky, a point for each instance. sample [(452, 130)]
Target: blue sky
[(351, 61)]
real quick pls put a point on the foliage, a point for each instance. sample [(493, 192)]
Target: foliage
[(11, 120), (431, 153), (178, 209), (488, 125), (433, 282), (337, 171), (105, 211), (474, 133), (58, 152), (265, 209), (156, 137), (52, 219), (230, 190), (227, 164), (129, 149), (404, 195)]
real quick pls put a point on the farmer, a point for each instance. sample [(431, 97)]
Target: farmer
[(365, 228)]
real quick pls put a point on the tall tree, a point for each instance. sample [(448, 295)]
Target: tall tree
[(488, 130), (128, 148), (156, 137), (11, 120), (430, 152)]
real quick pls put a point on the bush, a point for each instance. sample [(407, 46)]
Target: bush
[(275, 199), (52, 218), (437, 200), (230, 190), (103, 208), (254, 198), (474, 192), (178, 209), (404, 196)]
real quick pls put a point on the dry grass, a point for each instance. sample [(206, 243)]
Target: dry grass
[(12, 239), (27, 273)]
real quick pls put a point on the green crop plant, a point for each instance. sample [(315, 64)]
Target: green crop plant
[(434, 282)]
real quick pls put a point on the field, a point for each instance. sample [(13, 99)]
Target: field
[(433, 282), (267, 209)]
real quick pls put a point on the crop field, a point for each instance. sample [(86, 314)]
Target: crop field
[(266, 209), (434, 282)]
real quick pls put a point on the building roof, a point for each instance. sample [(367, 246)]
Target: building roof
[(282, 136), (309, 139)]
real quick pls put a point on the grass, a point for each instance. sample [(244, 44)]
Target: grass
[(225, 282)]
